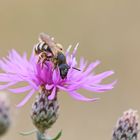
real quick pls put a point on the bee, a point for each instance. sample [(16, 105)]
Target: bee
[(48, 50)]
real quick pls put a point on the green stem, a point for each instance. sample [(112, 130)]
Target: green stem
[(41, 136)]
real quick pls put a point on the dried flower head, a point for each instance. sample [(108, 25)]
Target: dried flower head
[(4, 114), (127, 126), (18, 69)]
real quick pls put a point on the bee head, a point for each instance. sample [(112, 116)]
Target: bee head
[(64, 68)]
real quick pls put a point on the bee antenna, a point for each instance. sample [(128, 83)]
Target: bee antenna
[(76, 68)]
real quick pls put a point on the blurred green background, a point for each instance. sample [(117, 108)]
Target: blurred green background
[(108, 30)]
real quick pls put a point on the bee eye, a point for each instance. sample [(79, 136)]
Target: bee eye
[(65, 70)]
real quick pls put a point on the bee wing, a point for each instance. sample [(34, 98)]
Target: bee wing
[(54, 51), (47, 39), (59, 46), (55, 47)]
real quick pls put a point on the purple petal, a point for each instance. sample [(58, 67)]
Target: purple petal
[(83, 64), (26, 98), (33, 84), (7, 77), (69, 88), (62, 88), (25, 56), (74, 51), (68, 50), (100, 88), (80, 97), (83, 76), (32, 58), (49, 87), (91, 67), (55, 77), (99, 77), (20, 90), (52, 96), (7, 85)]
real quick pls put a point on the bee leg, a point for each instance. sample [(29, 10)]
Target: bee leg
[(55, 62), (43, 63), (39, 59)]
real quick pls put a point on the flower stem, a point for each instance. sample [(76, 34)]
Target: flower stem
[(41, 136)]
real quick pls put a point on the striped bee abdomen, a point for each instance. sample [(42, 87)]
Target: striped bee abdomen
[(42, 47)]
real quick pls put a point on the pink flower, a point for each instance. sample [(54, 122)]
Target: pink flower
[(17, 69)]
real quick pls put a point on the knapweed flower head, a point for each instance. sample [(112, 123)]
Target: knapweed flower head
[(17, 69), (127, 126), (44, 112), (4, 114)]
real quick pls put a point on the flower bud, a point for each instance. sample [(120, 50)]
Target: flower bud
[(127, 126), (4, 114), (44, 112)]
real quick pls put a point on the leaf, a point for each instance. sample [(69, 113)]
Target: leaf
[(28, 132), (56, 137)]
